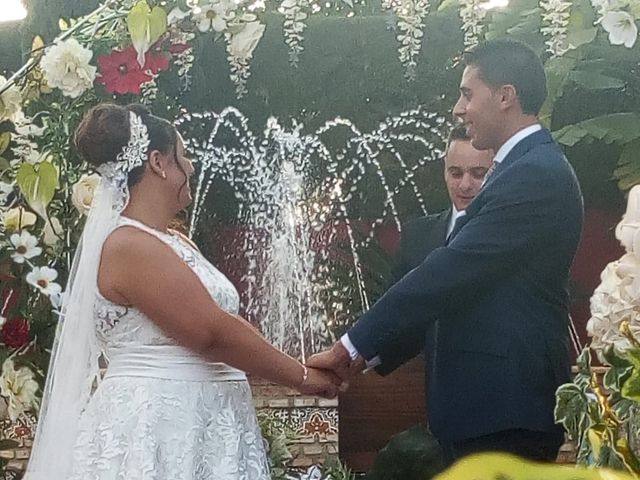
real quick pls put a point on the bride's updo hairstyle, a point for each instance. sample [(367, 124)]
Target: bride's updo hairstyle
[(104, 132)]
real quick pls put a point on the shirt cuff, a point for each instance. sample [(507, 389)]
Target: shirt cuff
[(353, 352)]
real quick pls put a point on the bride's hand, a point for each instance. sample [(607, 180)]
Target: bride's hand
[(318, 382)]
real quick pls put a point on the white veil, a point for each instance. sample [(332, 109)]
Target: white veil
[(73, 369)]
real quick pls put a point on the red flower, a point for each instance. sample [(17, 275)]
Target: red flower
[(121, 73), (15, 332), (156, 61)]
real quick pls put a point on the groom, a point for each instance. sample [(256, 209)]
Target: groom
[(499, 286)]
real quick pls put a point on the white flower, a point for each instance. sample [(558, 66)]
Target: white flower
[(246, 40), (17, 219), (25, 246), (57, 299), (621, 27), (83, 192), (10, 101), (43, 279), (52, 231), (555, 16), (25, 126), (176, 15), (287, 4), (19, 387), (66, 66), (212, 17)]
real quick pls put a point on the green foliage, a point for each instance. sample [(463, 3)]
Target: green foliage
[(620, 128), (146, 25), (334, 469), (628, 171), (38, 184), (279, 438), (410, 455), (598, 412)]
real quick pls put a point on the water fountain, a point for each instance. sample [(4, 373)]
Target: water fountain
[(308, 206)]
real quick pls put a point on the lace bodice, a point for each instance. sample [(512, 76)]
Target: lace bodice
[(119, 326)]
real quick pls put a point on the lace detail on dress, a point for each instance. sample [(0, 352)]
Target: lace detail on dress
[(144, 428), (147, 429), (119, 326)]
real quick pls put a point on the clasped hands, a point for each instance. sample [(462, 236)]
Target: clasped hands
[(330, 372)]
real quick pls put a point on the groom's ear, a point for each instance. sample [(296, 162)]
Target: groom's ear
[(508, 97)]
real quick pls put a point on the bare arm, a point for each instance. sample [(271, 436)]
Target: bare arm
[(140, 270)]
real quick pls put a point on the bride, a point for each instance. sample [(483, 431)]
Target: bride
[(174, 402)]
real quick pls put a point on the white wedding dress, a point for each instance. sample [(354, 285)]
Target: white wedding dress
[(161, 412)]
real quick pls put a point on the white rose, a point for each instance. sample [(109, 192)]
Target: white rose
[(19, 387), (65, 65), (246, 40), (10, 101), (83, 192), (52, 231), (17, 219)]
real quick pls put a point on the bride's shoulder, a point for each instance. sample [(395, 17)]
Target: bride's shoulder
[(130, 242), (184, 238)]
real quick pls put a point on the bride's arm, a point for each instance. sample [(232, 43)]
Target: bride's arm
[(140, 270)]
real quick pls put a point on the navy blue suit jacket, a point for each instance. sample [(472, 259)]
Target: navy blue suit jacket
[(499, 292)]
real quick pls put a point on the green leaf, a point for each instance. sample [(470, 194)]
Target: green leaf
[(571, 409), (146, 25), (618, 128), (582, 36), (448, 4), (628, 170), (631, 387), (611, 357), (596, 81), (5, 139), (557, 70), (38, 185)]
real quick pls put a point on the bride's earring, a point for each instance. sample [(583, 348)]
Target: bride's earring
[(164, 175)]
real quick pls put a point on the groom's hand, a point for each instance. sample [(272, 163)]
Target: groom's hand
[(337, 360)]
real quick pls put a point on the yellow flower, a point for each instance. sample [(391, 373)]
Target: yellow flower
[(19, 387), (18, 218)]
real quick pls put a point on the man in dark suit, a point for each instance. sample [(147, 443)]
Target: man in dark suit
[(499, 286), (464, 172)]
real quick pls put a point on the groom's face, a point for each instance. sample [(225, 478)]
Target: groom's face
[(479, 108)]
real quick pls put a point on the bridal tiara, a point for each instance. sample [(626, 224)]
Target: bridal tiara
[(133, 155)]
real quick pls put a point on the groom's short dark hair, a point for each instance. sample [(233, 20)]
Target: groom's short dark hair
[(505, 61)]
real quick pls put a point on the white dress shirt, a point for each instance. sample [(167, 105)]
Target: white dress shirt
[(455, 214), (501, 154)]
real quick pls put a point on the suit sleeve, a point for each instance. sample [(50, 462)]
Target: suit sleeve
[(523, 211), (411, 345)]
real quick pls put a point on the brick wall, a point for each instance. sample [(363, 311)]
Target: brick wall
[(313, 420)]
